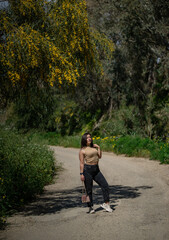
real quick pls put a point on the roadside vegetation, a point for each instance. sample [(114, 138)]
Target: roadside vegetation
[(129, 145), (25, 168)]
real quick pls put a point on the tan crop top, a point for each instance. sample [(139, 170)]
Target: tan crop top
[(91, 155)]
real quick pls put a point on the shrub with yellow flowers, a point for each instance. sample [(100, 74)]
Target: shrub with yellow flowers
[(56, 49), (46, 44), (23, 56)]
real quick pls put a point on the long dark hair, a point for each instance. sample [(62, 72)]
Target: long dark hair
[(84, 140)]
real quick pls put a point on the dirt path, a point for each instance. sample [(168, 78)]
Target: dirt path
[(139, 193)]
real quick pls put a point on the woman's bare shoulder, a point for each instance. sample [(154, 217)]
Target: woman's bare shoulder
[(82, 150)]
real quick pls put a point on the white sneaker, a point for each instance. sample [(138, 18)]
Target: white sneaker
[(91, 210), (107, 207)]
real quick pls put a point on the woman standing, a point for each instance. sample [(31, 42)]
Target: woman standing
[(89, 170)]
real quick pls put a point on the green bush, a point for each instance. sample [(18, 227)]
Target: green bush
[(47, 138), (52, 138), (124, 121), (130, 145), (25, 168), (133, 145), (142, 147)]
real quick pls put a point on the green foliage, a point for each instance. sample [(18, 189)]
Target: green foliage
[(34, 109), (69, 118), (123, 121), (161, 121), (48, 44), (143, 147), (24, 169), (52, 138), (118, 61), (130, 145), (66, 116), (46, 138), (43, 47), (139, 69)]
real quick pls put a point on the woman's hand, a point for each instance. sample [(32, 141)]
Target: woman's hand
[(82, 177), (96, 146), (98, 149)]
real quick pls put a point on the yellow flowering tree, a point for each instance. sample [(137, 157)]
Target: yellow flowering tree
[(48, 44), (58, 46)]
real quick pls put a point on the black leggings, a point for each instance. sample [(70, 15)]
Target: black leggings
[(92, 172)]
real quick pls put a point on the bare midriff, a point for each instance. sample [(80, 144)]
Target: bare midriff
[(96, 163)]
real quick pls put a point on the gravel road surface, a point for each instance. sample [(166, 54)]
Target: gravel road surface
[(139, 195)]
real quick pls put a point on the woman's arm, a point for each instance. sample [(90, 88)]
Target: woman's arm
[(81, 158), (98, 150)]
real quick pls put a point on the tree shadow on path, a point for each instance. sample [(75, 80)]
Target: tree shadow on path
[(52, 202)]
